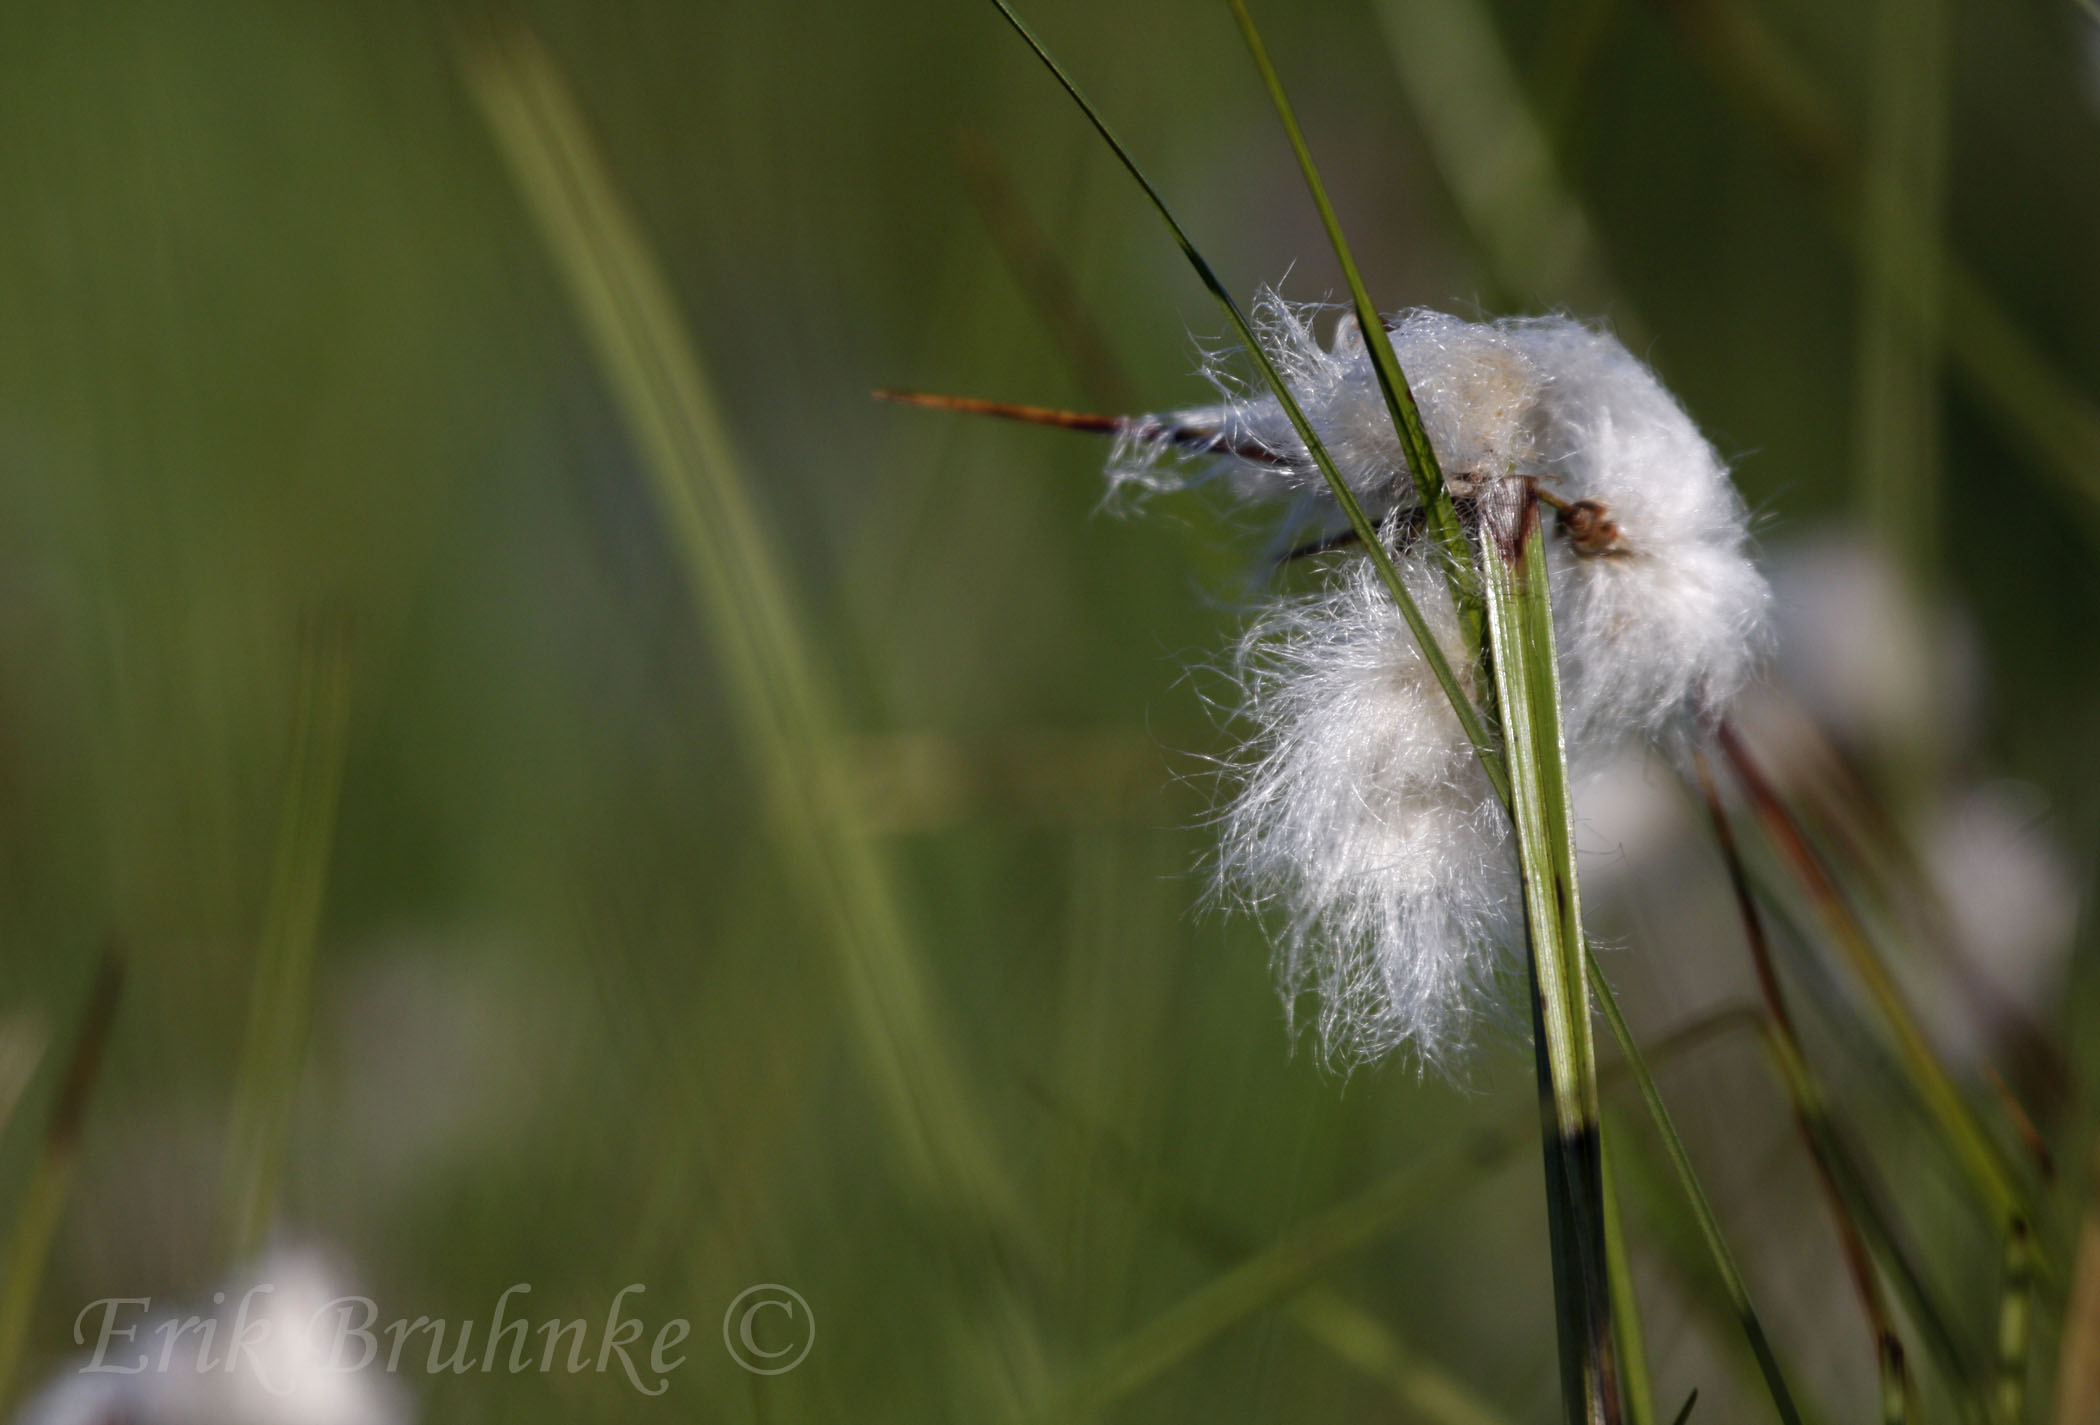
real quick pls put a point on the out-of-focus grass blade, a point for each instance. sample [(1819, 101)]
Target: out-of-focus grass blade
[(1420, 1387), (44, 1197), (1043, 279), (2011, 378), (1490, 150), (2015, 1323), (1902, 187), (2078, 1367), (1279, 1271), (1810, 1118), (1440, 513), (1871, 1204), (1684, 1411), (1527, 697), (1635, 1382), (1461, 704), (280, 998), (1284, 1267), (1702, 1210), (22, 1041), (785, 714), (1974, 1148)]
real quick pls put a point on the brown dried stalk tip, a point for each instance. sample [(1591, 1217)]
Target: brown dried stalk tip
[(1144, 428)]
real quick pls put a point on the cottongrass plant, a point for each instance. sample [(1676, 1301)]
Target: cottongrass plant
[(1530, 559), (1361, 814)]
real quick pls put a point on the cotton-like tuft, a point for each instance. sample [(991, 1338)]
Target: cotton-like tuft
[(1359, 815), (1362, 817)]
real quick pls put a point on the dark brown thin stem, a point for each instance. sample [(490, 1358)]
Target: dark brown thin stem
[(1859, 1264)]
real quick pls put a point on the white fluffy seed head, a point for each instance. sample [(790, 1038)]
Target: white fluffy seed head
[(1360, 816), (1363, 818)]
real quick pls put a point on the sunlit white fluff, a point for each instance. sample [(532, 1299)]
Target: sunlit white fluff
[(1672, 618), (1359, 814), (1363, 817)]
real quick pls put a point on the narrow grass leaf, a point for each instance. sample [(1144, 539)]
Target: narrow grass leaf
[(1902, 183), (1279, 1271), (2014, 381), (1702, 1210), (1520, 638), (1637, 1387), (2015, 1324), (1490, 150), (1421, 1388), (742, 598), (1468, 716), (1282, 1268), (1811, 1119), (1440, 513), (273, 1050), (1972, 1146)]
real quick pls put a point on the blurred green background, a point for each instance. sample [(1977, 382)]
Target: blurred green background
[(281, 350)]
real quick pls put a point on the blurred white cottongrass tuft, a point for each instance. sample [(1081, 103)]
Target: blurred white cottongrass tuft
[(286, 1378), (1360, 813)]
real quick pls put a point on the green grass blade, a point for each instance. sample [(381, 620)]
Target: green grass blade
[(1491, 151), (1684, 1411), (1702, 1210), (44, 1197), (1840, 1187), (22, 1044), (1278, 1272), (1903, 182), (1468, 716), (1634, 1379), (1283, 1268), (742, 599), (2015, 1324), (1869, 1203), (1973, 1147), (1421, 1388), (280, 1007), (1422, 463), (1863, 1226), (1520, 638), (2013, 381)]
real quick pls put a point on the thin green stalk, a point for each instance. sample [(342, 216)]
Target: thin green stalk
[(781, 705), (2015, 1324), (1468, 717), (280, 1000), (1902, 193), (1684, 1411), (741, 596), (1439, 512), (1419, 1386), (1484, 136), (44, 1198), (1625, 1303), (1702, 1210), (22, 1044), (1527, 693)]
